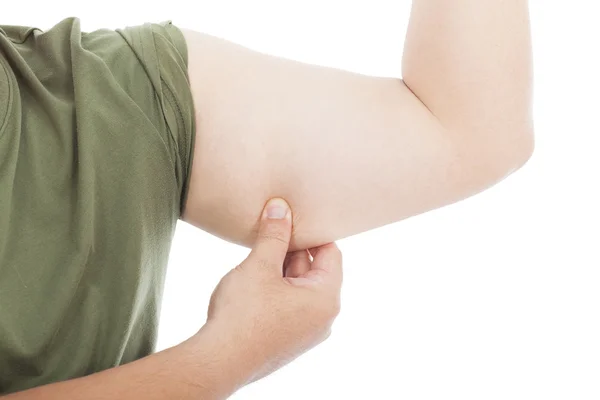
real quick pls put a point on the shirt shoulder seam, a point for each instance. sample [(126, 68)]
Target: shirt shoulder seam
[(4, 118)]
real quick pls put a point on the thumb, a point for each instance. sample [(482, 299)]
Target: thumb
[(274, 234)]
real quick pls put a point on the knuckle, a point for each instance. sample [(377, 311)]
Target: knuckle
[(276, 228), (329, 311), (264, 263), (239, 267), (325, 335), (273, 236), (336, 309), (333, 311)]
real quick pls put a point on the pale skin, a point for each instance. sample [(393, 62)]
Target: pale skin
[(349, 153)]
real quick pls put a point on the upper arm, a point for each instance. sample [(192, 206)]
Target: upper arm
[(348, 152)]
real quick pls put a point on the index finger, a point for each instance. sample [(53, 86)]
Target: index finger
[(327, 259)]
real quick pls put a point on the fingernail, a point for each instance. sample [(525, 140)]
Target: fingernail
[(276, 209)]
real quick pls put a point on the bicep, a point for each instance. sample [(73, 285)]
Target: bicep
[(348, 152)]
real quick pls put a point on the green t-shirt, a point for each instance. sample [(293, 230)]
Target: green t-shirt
[(96, 140)]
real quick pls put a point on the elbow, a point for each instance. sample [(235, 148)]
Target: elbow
[(520, 150), (489, 162)]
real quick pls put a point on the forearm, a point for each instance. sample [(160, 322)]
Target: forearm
[(204, 367), (469, 62)]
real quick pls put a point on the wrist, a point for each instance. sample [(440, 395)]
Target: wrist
[(221, 358)]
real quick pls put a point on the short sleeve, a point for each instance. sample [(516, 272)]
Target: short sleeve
[(162, 50)]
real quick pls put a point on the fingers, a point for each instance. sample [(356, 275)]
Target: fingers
[(274, 234), (297, 264), (327, 262)]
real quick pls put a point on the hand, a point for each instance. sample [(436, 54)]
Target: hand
[(276, 305)]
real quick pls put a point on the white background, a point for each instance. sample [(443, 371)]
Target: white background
[(497, 297)]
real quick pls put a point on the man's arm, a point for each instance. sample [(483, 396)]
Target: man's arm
[(351, 152), (267, 311)]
